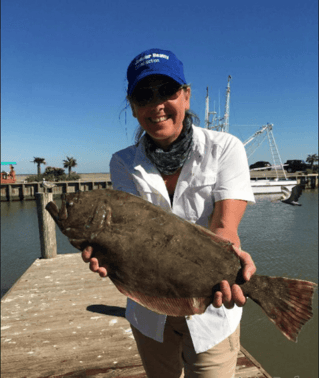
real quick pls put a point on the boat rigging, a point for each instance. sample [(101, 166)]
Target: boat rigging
[(253, 142), (214, 122), (217, 123)]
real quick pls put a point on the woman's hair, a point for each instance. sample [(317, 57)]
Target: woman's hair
[(189, 114)]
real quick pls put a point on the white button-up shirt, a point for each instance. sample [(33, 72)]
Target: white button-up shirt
[(216, 169)]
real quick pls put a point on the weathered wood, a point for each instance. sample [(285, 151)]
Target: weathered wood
[(19, 191), (22, 192), (61, 320), (46, 226), (9, 193), (12, 191), (246, 360)]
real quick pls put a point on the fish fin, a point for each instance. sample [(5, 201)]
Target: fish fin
[(287, 302), (166, 306), (216, 238), (219, 240), (52, 208)]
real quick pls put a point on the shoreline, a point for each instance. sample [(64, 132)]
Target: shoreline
[(84, 177)]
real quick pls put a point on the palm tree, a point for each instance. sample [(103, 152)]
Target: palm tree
[(69, 163), (39, 161), (312, 159)]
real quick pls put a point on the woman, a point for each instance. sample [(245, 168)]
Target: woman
[(202, 176)]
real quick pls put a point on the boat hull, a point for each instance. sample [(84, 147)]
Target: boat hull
[(271, 186)]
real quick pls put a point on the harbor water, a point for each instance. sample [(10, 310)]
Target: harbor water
[(282, 239)]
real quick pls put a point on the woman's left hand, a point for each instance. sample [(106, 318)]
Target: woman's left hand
[(228, 296)]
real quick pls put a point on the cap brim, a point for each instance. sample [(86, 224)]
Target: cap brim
[(145, 74)]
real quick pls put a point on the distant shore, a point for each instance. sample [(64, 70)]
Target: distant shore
[(84, 177)]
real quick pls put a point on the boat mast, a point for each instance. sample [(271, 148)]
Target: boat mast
[(226, 115), (208, 113), (207, 110), (217, 123)]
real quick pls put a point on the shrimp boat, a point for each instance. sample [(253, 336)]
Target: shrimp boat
[(261, 184)]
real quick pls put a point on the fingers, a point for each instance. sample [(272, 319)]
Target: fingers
[(218, 299), (238, 296), (228, 296), (94, 262), (249, 268), (224, 296), (96, 268), (86, 254), (247, 263)]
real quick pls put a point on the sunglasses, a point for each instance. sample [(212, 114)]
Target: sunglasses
[(144, 95)]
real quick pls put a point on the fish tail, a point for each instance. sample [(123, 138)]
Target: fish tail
[(286, 302)]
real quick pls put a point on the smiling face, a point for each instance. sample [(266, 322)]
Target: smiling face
[(162, 117)]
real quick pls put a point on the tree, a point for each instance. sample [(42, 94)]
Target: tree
[(312, 159), (69, 163), (39, 161)]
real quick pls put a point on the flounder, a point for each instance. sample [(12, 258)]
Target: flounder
[(168, 264)]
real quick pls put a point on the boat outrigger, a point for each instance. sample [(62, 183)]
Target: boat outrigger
[(277, 185)]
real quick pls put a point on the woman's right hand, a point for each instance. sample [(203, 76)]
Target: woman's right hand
[(94, 262)]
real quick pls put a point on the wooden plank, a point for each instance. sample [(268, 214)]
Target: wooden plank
[(60, 317), (61, 320), (254, 362), (12, 192)]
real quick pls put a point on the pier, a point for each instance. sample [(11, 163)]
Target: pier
[(62, 320), (27, 191), (307, 181)]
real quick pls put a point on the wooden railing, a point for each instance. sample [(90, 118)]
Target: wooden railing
[(27, 191)]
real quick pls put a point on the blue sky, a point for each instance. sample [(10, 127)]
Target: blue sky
[(64, 72)]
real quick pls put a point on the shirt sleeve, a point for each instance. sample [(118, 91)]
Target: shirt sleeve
[(121, 177), (233, 177)]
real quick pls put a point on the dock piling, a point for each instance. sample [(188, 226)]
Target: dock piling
[(46, 226)]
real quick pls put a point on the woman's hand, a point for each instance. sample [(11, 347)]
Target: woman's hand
[(94, 261), (228, 296), (225, 220)]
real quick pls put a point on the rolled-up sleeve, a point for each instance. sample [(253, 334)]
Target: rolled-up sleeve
[(233, 177)]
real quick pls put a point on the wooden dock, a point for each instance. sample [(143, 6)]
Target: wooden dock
[(62, 320), (27, 191), (306, 180)]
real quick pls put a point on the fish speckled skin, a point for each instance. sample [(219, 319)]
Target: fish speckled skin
[(170, 265)]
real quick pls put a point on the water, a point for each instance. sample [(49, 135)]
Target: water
[(282, 239), (20, 242)]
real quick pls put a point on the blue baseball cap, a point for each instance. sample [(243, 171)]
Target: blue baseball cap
[(154, 62)]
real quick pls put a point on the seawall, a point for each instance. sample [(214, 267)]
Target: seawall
[(22, 190)]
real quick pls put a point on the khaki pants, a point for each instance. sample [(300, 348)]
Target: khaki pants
[(167, 359)]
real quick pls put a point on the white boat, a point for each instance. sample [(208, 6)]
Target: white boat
[(259, 185), (274, 185), (271, 186)]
